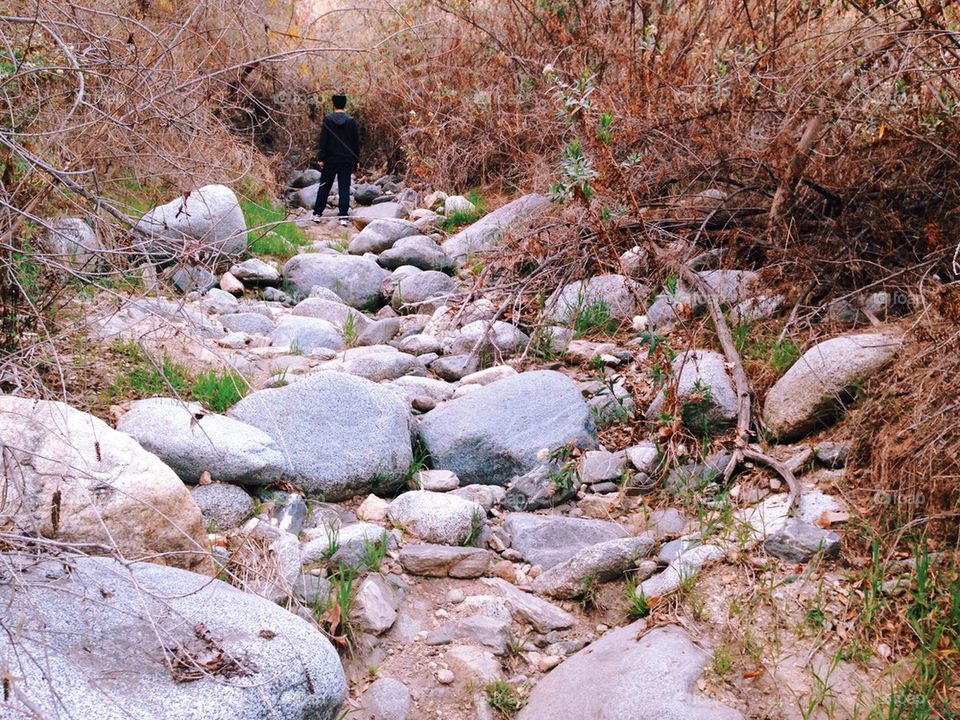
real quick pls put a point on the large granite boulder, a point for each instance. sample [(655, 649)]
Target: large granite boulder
[(816, 388), (206, 222), (495, 433), (306, 334), (191, 441), (341, 435), (355, 279), (72, 478), (487, 232), (96, 638)]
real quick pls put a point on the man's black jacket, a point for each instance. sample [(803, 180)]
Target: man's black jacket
[(339, 141)]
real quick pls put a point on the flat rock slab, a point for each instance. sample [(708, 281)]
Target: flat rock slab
[(340, 435), (492, 633), (487, 232), (494, 433), (540, 614), (93, 635), (593, 564), (445, 560), (548, 540), (650, 678)]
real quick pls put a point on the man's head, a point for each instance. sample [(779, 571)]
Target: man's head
[(339, 102)]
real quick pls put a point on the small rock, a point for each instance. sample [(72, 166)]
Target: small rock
[(445, 560), (375, 605), (455, 596), (437, 480), (373, 509), (230, 284), (798, 541), (445, 677), (386, 699), (832, 454), (599, 466)]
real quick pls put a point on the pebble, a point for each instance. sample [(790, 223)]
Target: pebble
[(455, 596), (445, 677)]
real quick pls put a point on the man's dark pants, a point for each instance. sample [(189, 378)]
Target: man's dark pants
[(342, 172)]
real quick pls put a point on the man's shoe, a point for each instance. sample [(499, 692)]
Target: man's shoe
[(343, 222), (317, 218)]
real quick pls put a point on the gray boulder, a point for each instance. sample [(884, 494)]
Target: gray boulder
[(376, 363), (814, 391), (255, 272), (598, 563), (417, 251), (704, 391), (355, 279), (423, 292), (303, 178), (193, 278), (341, 435), (380, 235), (191, 441), (798, 541), (306, 334), (498, 338), (248, 322), (306, 197), (493, 434), (487, 232), (224, 506), (365, 193), (363, 216), (336, 313), (631, 675), (438, 518), (618, 294), (97, 638), (71, 243), (454, 367), (209, 222), (379, 332), (549, 540)]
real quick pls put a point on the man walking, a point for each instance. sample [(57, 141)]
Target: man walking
[(338, 153)]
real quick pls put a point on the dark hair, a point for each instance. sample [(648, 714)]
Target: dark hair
[(339, 101)]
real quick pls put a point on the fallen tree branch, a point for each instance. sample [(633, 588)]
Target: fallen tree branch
[(742, 450)]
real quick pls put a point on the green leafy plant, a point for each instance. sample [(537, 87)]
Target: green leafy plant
[(506, 698), (593, 318), (637, 604), (373, 553), (576, 174), (477, 524)]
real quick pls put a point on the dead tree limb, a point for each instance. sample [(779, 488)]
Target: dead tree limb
[(784, 198), (743, 450)]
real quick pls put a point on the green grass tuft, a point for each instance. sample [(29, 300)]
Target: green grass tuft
[(269, 232)]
